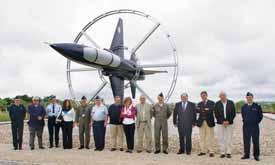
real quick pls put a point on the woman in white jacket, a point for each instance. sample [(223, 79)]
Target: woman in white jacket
[(67, 117)]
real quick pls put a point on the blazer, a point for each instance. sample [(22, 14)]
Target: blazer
[(206, 111), (148, 114), (185, 118), (230, 112)]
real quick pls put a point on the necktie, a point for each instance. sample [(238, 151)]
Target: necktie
[(183, 106), (53, 108)]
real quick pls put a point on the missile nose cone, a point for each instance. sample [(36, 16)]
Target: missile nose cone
[(69, 50)]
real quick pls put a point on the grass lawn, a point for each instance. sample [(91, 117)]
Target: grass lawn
[(4, 116)]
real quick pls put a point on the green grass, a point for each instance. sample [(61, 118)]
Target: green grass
[(4, 116)]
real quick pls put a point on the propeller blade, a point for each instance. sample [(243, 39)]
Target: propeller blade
[(99, 89)]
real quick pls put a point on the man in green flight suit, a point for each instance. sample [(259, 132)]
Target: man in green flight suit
[(161, 112), (83, 119)]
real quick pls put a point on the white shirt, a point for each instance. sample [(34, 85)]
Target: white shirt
[(224, 108), (68, 115), (183, 105), (53, 110), (126, 120), (99, 113)]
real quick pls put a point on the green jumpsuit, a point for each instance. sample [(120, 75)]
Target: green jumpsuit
[(161, 114)]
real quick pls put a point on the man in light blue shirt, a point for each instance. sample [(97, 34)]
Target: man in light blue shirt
[(99, 118), (53, 110)]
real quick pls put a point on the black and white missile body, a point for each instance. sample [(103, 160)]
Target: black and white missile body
[(111, 61)]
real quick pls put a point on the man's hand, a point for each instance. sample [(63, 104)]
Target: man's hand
[(39, 117), (175, 125), (90, 124), (105, 124), (225, 123), (193, 126)]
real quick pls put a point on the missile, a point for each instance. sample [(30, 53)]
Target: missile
[(87, 55)]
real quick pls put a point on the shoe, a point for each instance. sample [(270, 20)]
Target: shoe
[(165, 152), (139, 151), (257, 158), (87, 147), (42, 148), (148, 151), (15, 148), (188, 153), (222, 156), (157, 152), (56, 146), (180, 152), (51, 146), (211, 155), (121, 149), (81, 147), (228, 156), (201, 154), (96, 149), (113, 149), (20, 148), (245, 157), (130, 151), (32, 148)]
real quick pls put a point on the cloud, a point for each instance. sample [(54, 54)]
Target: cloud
[(222, 45)]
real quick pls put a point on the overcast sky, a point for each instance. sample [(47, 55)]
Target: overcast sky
[(222, 45)]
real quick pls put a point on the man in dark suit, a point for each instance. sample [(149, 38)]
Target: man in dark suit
[(184, 117), (206, 124), (225, 113)]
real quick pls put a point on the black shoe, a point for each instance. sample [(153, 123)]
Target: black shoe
[(32, 148), (96, 149), (148, 151), (121, 149), (188, 153), (15, 148), (50, 146), (211, 155), (157, 152), (20, 148), (222, 156), (180, 152), (56, 146), (42, 148), (139, 151), (245, 157), (113, 149), (228, 156), (257, 158), (201, 154), (165, 152), (87, 147), (81, 147)]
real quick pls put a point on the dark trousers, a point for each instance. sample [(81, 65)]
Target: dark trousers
[(67, 134), (99, 134), (251, 131), (185, 138), (17, 133), (129, 131), (38, 131), (53, 128)]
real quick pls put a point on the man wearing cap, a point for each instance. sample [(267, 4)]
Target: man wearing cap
[(17, 113), (36, 122), (252, 116), (143, 124), (83, 119), (225, 113), (99, 119), (206, 123), (161, 112), (184, 118), (116, 127), (53, 110)]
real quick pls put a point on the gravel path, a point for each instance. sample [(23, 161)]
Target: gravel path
[(74, 156)]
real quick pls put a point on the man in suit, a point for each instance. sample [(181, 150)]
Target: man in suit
[(184, 117), (225, 113), (206, 124), (252, 116), (143, 123)]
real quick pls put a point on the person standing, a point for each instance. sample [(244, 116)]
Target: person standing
[(225, 113), (17, 113), (67, 117), (36, 122), (206, 123), (53, 110), (184, 118), (143, 123), (99, 119), (252, 115), (128, 116), (161, 112), (83, 119), (116, 124)]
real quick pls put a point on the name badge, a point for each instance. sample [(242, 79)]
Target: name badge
[(83, 115)]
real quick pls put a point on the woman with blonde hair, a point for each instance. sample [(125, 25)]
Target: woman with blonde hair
[(128, 116)]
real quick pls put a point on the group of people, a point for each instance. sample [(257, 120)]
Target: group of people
[(124, 118)]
